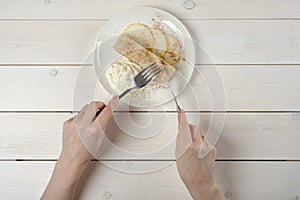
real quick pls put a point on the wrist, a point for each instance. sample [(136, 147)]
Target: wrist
[(69, 172), (209, 191), (66, 163), (73, 160)]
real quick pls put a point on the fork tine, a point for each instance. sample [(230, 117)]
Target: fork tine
[(143, 78), (148, 71), (152, 78), (151, 71), (147, 68), (154, 75)]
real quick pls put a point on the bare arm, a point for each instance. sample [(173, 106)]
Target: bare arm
[(74, 156), (197, 173), (64, 179)]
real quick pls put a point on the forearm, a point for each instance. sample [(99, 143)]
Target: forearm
[(64, 179)]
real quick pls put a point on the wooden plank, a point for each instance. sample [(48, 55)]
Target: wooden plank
[(247, 88), (238, 180), (244, 136), (50, 42), (204, 9), (34, 88), (226, 41)]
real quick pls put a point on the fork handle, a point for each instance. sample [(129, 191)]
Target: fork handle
[(125, 92)]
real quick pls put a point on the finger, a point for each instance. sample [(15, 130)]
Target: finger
[(185, 126), (198, 141), (195, 131), (202, 134), (184, 136), (92, 109), (82, 111), (181, 116), (106, 113), (206, 149), (68, 122), (182, 120), (214, 152)]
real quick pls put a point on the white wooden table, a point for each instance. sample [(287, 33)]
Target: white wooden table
[(256, 46)]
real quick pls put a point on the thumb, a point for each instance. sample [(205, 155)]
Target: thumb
[(106, 113), (181, 117), (184, 137)]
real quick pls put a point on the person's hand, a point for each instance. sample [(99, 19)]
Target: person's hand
[(195, 160), (82, 136), (84, 133)]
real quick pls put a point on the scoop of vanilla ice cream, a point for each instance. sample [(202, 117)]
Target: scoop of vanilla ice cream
[(120, 74)]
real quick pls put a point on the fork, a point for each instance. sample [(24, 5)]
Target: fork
[(175, 99), (168, 86), (143, 78)]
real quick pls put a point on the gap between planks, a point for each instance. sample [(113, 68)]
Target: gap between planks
[(144, 111), (155, 160), (219, 65), (202, 19)]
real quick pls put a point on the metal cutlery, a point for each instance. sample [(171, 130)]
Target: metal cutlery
[(167, 85), (175, 99), (143, 78)]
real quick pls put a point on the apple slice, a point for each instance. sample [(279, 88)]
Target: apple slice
[(160, 43), (172, 55), (140, 33), (132, 50)]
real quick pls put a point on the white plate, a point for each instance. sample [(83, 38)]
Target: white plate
[(104, 54)]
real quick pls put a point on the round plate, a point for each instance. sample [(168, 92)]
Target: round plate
[(105, 55)]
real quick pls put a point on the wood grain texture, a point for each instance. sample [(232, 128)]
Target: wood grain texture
[(226, 41), (256, 46), (204, 9), (239, 180), (244, 136), (247, 88), (50, 42)]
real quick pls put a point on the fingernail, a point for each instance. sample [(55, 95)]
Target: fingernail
[(114, 102)]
